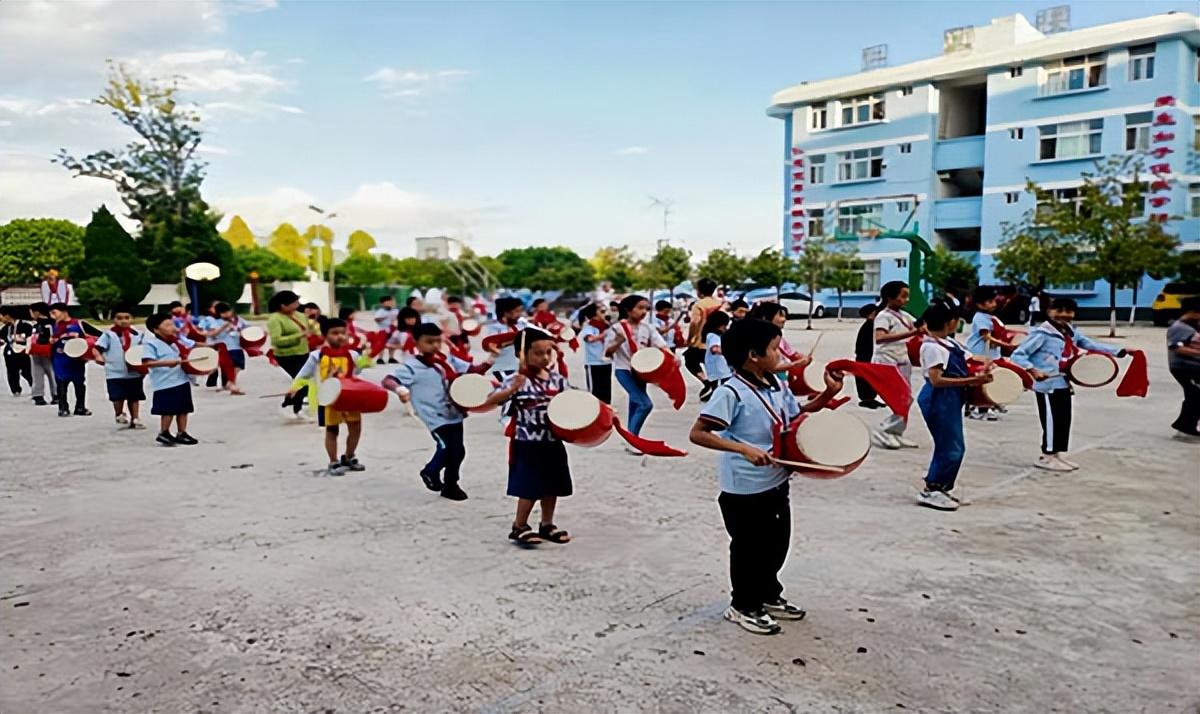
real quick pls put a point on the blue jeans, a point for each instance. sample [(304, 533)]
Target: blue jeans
[(942, 408), (640, 404)]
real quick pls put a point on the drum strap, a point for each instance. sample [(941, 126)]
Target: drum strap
[(999, 329), (125, 334), (633, 345), (777, 420)]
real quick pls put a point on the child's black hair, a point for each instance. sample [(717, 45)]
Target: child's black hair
[(714, 322), (311, 306), (454, 300), (61, 307), (507, 304), (627, 304), (662, 305), (8, 311), (40, 308), (746, 337), (173, 304), (221, 307), (122, 308), (891, 289), (767, 311), (705, 287), (983, 293), (426, 329), (866, 311), (330, 323), (279, 299), (588, 312), (385, 298), (157, 319), (938, 315), (537, 302), (408, 301), (1064, 303), (527, 337), (739, 304), (345, 313), (407, 312)]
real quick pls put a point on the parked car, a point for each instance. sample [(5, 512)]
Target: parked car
[(1167, 304), (799, 304)]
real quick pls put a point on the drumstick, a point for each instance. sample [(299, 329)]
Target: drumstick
[(813, 350), (806, 465), (273, 396)]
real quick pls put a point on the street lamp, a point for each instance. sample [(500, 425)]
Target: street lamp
[(321, 258)]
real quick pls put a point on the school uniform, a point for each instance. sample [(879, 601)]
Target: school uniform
[(537, 464), (754, 499), (68, 370), (41, 359), (230, 338), (896, 354), (942, 408), (17, 364), (1186, 371), (637, 337), (596, 366), (170, 387), (506, 361), (122, 385), (428, 382), (1047, 350), (320, 365), (976, 343), (715, 365)]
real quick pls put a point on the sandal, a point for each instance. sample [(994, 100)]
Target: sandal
[(524, 535), (550, 532)]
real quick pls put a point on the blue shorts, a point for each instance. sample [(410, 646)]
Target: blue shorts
[(538, 469), (238, 357), (125, 389), (172, 401)]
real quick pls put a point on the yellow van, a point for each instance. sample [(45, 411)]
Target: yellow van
[(1167, 305)]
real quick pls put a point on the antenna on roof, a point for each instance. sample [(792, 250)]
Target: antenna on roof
[(1054, 19), (874, 57)]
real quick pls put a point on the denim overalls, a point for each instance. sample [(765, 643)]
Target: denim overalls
[(942, 408)]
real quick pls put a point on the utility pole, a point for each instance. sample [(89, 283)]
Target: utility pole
[(321, 258)]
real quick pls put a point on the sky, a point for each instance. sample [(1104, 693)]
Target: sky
[(501, 124)]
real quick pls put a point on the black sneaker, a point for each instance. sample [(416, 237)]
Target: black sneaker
[(393, 360), (433, 482), (350, 463), (64, 413), (453, 492), (186, 439), (760, 623), (39, 402), (380, 361), (165, 439), (781, 609), (83, 412)]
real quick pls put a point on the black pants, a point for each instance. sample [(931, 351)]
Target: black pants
[(450, 453), (1054, 411), (80, 393), (865, 391), (292, 364), (1189, 412), (18, 367), (760, 531), (599, 381)]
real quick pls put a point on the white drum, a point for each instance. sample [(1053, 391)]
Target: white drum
[(133, 358), (470, 326), (253, 334), (567, 333), (76, 348), (579, 418), (1005, 388), (647, 360), (471, 391), (20, 348), (201, 360), (833, 438), (1092, 369), (814, 375)]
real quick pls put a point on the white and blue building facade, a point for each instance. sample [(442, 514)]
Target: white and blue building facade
[(947, 144)]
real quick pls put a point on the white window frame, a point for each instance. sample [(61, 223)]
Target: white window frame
[(1137, 131), (853, 218), (1075, 74), (816, 222), (818, 114), (1068, 134), (1014, 72), (1011, 197), (1141, 62), (867, 109), (867, 162), (1194, 200), (871, 273), (816, 170), (1016, 133), (1070, 194)]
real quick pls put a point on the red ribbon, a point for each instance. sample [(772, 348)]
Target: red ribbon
[(1136, 382), (885, 379), (648, 447), (125, 334)]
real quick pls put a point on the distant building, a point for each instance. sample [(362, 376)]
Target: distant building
[(438, 248), (956, 136)]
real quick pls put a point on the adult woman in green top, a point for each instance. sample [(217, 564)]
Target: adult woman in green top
[(289, 340)]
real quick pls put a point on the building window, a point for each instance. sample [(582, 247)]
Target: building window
[(1072, 74), (1061, 195), (1070, 140), (1196, 132), (1194, 200), (1086, 286), (1011, 197), (1015, 72), (1016, 134), (1141, 62), (1139, 207), (860, 164), (903, 206), (859, 218), (816, 222), (861, 110), (816, 169), (906, 148), (1137, 131), (818, 117), (906, 91), (870, 275), (901, 262)]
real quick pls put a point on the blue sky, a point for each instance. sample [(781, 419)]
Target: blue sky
[(504, 123)]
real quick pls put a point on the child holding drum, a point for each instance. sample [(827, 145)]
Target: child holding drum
[(631, 333), (509, 311), (596, 364), (893, 328), (170, 386), (745, 419), (984, 342), (124, 386), (334, 359), (68, 369), (225, 329), (1046, 353)]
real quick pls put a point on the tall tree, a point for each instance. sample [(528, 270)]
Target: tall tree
[(361, 271), (360, 243), (812, 267), (31, 246), (1033, 255), (946, 269), (110, 252), (769, 269), (669, 266), (539, 268), (616, 264), (238, 234), (270, 267), (844, 273), (724, 266), (287, 243)]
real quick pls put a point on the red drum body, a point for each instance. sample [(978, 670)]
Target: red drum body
[(471, 327), (500, 341), (351, 394), (1092, 369), (809, 380), (133, 360), (471, 391), (79, 347), (39, 350), (834, 443), (1005, 388), (201, 361), (652, 364), (579, 418), (315, 342), (914, 350), (253, 338)]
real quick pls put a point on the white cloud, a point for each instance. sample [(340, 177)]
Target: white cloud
[(33, 187), (413, 83), (633, 151)]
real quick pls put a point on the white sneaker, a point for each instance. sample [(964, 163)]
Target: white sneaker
[(937, 500), (1050, 463), (122, 419), (905, 442), (1070, 464), (974, 413), (783, 610), (760, 623), (884, 439), (991, 416)]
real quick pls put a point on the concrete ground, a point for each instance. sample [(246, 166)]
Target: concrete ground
[(228, 578)]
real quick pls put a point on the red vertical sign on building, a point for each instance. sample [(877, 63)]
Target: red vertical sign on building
[(799, 226)]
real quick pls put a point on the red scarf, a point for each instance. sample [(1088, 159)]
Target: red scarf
[(169, 339), (438, 362), (62, 326), (331, 352), (633, 346), (125, 334), (1070, 351), (599, 323)]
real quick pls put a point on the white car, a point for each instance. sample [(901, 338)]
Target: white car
[(799, 304)]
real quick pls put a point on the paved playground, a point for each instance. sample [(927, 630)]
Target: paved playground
[(228, 578)]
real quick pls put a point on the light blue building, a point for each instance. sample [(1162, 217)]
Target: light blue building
[(948, 142)]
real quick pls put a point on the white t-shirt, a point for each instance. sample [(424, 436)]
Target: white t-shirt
[(644, 335), (892, 322), (933, 354)]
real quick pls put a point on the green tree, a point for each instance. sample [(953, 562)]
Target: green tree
[(540, 268), (769, 269), (320, 258), (844, 273), (194, 239), (669, 266), (287, 243), (812, 266), (110, 252), (1032, 255), (616, 264), (99, 295), (361, 271), (31, 246), (360, 243), (417, 272), (724, 266), (947, 269), (238, 234), (1188, 268), (270, 267)]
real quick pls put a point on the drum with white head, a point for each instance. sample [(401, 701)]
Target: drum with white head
[(471, 391), (826, 444), (1092, 369), (78, 347), (201, 361), (651, 364), (133, 360), (352, 395), (578, 417), (471, 326), (1005, 388), (252, 337)]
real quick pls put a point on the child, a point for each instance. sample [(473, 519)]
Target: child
[(541, 314), (385, 319), (628, 335), (738, 309), (744, 420), (777, 315), (425, 383), (537, 466), (14, 336), (354, 337), (893, 328), (661, 321), (1183, 360), (864, 348), (68, 370), (225, 330), (508, 319), (333, 360), (171, 388), (1044, 353), (693, 356), (124, 387), (944, 364), (715, 365), (595, 363), (454, 332), (983, 341)]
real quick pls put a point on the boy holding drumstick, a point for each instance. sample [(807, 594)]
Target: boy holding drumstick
[(170, 385), (334, 359)]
